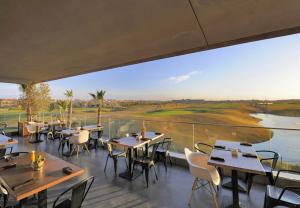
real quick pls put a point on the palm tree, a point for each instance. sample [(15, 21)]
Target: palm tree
[(62, 106), (69, 94), (99, 98)]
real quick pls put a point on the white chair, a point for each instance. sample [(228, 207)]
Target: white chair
[(79, 140), (203, 173), (31, 128)]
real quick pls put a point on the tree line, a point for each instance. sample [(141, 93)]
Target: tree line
[(36, 97)]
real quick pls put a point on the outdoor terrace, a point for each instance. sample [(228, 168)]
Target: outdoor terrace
[(172, 189)]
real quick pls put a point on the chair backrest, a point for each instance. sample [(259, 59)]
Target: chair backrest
[(80, 138), (166, 143), (31, 128), (84, 136), (154, 148), (274, 158), (79, 192), (203, 148), (100, 134), (199, 168)]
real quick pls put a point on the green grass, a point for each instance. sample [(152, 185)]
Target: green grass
[(202, 110), (168, 112)]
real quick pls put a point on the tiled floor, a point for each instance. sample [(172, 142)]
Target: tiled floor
[(172, 189)]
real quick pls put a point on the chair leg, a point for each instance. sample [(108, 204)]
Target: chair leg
[(126, 162), (247, 177), (147, 175), (62, 147), (5, 200), (73, 149), (77, 152), (133, 166), (193, 189), (155, 172), (87, 149), (266, 202), (165, 161), (106, 163), (59, 146), (270, 177), (249, 182), (214, 195), (170, 160), (115, 164)]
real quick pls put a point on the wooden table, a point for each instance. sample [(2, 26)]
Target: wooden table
[(4, 140), (132, 143), (50, 175), (240, 163)]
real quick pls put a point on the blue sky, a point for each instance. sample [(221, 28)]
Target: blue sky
[(268, 69)]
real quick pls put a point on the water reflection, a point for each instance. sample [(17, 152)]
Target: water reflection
[(285, 142)]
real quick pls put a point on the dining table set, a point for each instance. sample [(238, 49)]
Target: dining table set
[(42, 126), (236, 157), (21, 180), (68, 132), (132, 142)]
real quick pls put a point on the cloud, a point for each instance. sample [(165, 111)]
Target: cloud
[(184, 77)]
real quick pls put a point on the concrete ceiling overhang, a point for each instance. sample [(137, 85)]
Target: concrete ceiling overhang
[(52, 39)]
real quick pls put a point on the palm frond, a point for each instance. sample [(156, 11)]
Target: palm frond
[(93, 95), (62, 104), (69, 93)]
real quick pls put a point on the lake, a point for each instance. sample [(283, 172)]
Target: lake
[(286, 143)]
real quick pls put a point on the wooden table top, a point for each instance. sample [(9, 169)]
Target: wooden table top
[(240, 163), (133, 142), (50, 175), (4, 140)]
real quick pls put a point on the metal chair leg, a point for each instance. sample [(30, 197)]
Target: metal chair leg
[(147, 175), (171, 163), (77, 152), (115, 164), (193, 190), (106, 163), (155, 172), (86, 147), (214, 195), (73, 149)]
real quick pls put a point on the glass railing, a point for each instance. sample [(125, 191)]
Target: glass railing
[(285, 141)]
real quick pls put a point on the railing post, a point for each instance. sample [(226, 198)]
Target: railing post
[(194, 137), (109, 128)]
